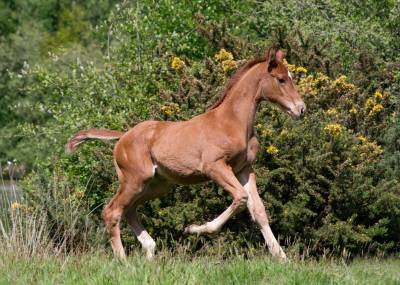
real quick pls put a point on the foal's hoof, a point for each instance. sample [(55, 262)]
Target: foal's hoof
[(280, 256), (282, 259), (201, 230), (192, 229)]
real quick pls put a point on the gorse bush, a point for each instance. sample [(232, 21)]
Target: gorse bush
[(330, 182)]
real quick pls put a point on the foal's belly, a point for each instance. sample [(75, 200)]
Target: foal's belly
[(186, 175), (180, 177)]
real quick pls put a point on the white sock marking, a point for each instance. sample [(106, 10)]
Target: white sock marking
[(148, 243)]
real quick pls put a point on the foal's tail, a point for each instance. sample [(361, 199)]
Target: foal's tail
[(82, 136)]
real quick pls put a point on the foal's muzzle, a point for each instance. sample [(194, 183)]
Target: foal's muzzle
[(298, 111)]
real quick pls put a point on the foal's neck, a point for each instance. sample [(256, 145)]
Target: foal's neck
[(240, 105)]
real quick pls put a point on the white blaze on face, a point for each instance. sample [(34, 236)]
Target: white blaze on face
[(289, 74)]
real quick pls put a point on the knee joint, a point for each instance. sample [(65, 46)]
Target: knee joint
[(241, 200), (111, 218)]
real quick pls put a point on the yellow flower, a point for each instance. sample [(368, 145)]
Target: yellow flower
[(290, 67), (333, 129), (378, 95), (228, 65), (15, 205), (300, 69), (272, 150), (331, 112), (223, 55), (370, 103), (170, 109), (373, 149), (176, 107), (267, 133), (375, 110), (340, 84), (368, 150), (353, 110), (321, 79), (177, 63), (362, 139), (307, 86)]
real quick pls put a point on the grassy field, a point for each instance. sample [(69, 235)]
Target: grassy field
[(169, 269)]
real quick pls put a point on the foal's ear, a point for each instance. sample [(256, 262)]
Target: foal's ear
[(275, 56), (280, 55)]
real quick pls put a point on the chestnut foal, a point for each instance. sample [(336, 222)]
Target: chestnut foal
[(218, 145)]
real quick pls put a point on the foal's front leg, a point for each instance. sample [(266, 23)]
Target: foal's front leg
[(257, 211), (222, 174)]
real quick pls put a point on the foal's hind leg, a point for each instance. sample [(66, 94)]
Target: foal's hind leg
[(134, 168), (257, 211), (148, 244), (152, 190), (113, 212)]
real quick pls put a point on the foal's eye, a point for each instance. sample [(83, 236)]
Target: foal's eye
[(281, 80)]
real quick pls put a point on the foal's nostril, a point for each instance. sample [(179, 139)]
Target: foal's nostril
[(302, 111)]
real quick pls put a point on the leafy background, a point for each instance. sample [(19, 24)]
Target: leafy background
[(330, 182)]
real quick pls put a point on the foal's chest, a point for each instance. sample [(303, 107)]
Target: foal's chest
[(245, 156), (239, 160)]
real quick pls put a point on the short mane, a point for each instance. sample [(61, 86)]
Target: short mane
[(235, 78)]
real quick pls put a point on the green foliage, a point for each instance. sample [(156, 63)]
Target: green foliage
[(330, 182), (29, 30)]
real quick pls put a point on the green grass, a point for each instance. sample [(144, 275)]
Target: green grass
[(181, 269)]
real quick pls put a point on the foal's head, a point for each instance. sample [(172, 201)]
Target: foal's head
[(277, 86)]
